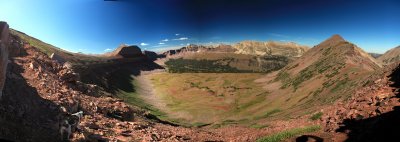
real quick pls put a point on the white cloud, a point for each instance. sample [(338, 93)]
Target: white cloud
[(108, 49), (182, 38), (165, 40), (177, 34), (144, 44), (161, 43)]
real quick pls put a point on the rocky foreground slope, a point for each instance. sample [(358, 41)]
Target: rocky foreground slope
[(45, 101), (371, 114)]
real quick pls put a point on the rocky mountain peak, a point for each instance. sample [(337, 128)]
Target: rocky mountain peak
[(333, 39), (336, 37)]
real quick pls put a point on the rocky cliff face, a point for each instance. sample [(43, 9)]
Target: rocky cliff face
[(128, 51), (4, 43), (151, 55), (289, 49)]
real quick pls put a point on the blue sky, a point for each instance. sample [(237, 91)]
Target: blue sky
[(96, 26)]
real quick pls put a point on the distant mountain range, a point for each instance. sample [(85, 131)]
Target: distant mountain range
[(288, 49)]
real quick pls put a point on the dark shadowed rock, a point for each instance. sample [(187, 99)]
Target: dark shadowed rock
[(4, 43), (15, 46), (150, 55), (172, 52), (128, 51)]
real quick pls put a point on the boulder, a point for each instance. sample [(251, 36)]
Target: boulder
[(57, 58), (4, 43)]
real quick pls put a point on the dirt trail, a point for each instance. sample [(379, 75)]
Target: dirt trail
[(146, 90)]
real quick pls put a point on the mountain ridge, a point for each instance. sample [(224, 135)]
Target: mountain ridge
[(390, 56), (249, 47), (335, 63)]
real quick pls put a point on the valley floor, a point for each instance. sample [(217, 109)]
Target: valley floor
[(195, 106)]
